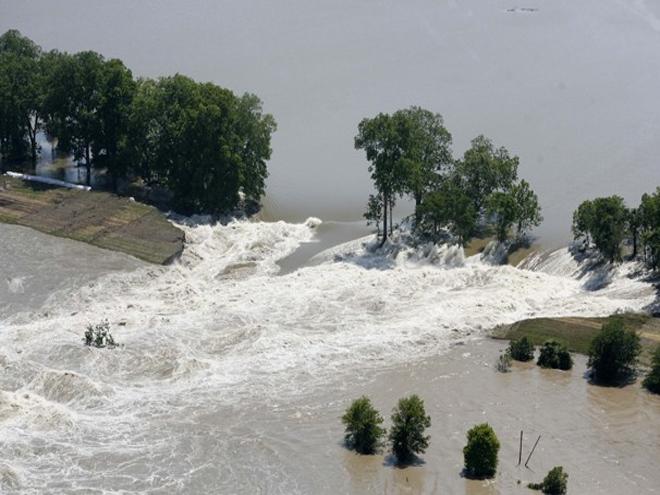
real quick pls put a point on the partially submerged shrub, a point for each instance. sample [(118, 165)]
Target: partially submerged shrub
[(521, 349), (555, 355), (363, 430), (504, 362), (555, 482), (99, 335), (480, 453), (652, 380), (409, 420), (614, 352)]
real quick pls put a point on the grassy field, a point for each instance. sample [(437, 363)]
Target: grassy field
[(577, 332), (97, 218)]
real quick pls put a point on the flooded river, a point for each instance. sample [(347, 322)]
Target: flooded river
[(232, 374)]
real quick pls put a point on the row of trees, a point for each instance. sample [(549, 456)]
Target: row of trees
[(200, 141), (409, 154), (607, 224)]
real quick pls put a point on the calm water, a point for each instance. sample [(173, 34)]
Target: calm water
[(570, 86)]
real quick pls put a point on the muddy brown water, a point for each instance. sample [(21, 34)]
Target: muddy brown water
[(608, 439)]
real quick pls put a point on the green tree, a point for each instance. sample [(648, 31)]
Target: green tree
[(21, 89), (362, 423), (521, 349), (528, 210), (501, 207), (604, 220), (426, 150), (374, 211), (449, 206), (554, 355), (652, 380), (409, 420), (485, 169), (555, 482), (383, 140), (480, 453), (649, 226), (613, 352)]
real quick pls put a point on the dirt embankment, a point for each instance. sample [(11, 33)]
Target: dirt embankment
[(97, 218)]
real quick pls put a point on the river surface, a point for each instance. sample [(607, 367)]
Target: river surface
[(568, 85), (233, 373)]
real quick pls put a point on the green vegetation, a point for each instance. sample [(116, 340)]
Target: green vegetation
[(555, 355), (521, 350), (99, 335), (480, 453), (363, 430), (555, 482), (205, 145), (503, 364), (614, 352), (409, 154), (652, 380), (409, 420), (608, 225)]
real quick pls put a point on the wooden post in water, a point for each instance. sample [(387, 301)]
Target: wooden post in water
[(533, 448), (520, 448)]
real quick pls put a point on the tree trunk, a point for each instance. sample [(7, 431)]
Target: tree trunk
[(418, 213), (391, 217), (634, 239), (88, 165), (385, 201)]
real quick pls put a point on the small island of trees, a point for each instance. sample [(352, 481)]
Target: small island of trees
[(201, 143)]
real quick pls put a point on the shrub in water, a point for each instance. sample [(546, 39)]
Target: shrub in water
[(613, 353), (99, 335), (652, 380), (555, 482), (555, 355), (480, 453), (362, 422), (521, 350), (504, 362), (409, 420)]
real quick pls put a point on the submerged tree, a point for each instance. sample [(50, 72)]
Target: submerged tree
[(614, 352), (409, 421), (362, 423), (480, 453), (652, 380)]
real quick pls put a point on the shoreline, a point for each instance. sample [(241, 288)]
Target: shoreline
[(97, 218)]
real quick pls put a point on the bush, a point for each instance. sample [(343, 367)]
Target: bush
[(614, 352), (99, 335), (504, 362), (521, 350), (362, 422), (555, 355), (409, 420), (480, 453), (555, 482), (652, 380)]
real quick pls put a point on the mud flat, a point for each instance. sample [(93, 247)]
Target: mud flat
[(97, 218)]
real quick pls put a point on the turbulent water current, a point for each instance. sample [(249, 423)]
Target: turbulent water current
[(218, 338)]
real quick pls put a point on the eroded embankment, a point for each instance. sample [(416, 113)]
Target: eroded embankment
[(97, 218)]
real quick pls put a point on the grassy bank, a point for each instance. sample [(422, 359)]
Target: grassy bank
[(478, 244), (97, 218), (577, 332)]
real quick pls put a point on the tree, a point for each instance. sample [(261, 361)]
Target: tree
[(501, 206), (21, 89), (374, 211), (409, 420), (633, 221), (613, 352), (649, 226), (528, 210), (448, 206), (554, 355), (480, 453), (362, 422), (383, 140), (555, 482), (604, 220), (485, 169), (426, 150), (652, 380), (521, 349)]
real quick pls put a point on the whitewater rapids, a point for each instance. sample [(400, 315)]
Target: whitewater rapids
[(220, 329)]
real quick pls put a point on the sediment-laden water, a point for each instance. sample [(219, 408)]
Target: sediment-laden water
[(232, 376)]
